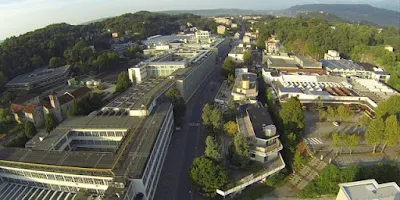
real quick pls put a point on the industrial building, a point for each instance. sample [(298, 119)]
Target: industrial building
[(291, 62), (114, 153), (39, 80)]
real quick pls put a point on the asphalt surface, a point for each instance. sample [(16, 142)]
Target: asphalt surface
[(188, 143)]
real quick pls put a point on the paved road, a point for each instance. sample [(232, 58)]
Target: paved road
[(174, 183)]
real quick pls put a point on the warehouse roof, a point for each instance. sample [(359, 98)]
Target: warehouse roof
[(39, 75)]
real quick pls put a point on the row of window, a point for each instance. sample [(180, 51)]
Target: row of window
[(98, 133), (45, 185), (94, 142), (58, 177)]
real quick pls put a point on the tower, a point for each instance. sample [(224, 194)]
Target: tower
[(56, 106)]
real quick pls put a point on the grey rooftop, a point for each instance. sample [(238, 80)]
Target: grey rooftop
[(38, 75)]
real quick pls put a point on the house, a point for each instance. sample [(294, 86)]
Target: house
[(246, 39), (368, 190), (221, 29), (223, 20), (272, 45), (57, 105)]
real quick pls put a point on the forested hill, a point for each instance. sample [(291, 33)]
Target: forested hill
[(216, 12), (324, 16), (70, 44), (352, 12)]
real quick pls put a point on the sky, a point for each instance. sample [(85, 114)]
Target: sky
[(20, 16)]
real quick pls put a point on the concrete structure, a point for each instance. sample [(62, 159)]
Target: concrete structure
[(368, 190), (281, 62), (246, 39), (245, 88), (202, 36), (221, 29), (351, 69), (110, 155), (223, 20), (332, 55), (307, 62), (237, 54), (39, 80), (239, 71)]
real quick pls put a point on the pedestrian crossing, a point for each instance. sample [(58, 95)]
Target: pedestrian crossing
[(313, 141)]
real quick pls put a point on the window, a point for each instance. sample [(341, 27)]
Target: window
[(252, 155)]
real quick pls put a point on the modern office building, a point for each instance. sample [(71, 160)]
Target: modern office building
[(39, 80), (116, 153), (245, 88), (368, 190)]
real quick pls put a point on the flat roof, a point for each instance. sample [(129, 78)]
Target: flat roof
[(129, 160), (258, 118), (370, 190), (282, 63), (308, 62), (138, 95), (341, 64), (252, 77), (38, 75)]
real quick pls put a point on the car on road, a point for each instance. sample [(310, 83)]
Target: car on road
[(336, 123)]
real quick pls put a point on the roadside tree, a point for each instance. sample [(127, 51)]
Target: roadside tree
[(216, 119), (30, 129), (343, 113), (248, 58), (206, 113), (375, 133), (392, 132), (207, 176), (123, 82), (231, 128), (213, 149), (49, 123), (351, 142), (292, 115), (228, 67)]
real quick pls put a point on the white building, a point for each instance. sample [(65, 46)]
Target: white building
[(246, 39), (332, 55), (245, 88), (368, 190), (202, 35), (272, 45), (237, 54), (389, 48)]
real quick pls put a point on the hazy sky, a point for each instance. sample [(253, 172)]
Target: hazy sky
[(20, 16)]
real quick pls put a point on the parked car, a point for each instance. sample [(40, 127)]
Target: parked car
[(336, 123)]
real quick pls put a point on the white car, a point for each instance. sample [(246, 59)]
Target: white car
[(336, 123)]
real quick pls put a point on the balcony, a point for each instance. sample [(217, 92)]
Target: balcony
[(277, 146)]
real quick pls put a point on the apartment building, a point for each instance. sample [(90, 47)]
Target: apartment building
[(245, 88), (221, 29)]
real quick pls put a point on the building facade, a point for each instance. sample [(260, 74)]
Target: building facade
[(245, 88)]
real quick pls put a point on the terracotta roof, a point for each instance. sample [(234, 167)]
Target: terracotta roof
[(65, 98), (80, 92), (30, 108), (16, 108)]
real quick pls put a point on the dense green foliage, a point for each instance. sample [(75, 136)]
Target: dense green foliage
[(174, 96), (49, 122), (292, 115), (213, 149), (30, 129), (86, 105), (212, 119), (228, 67), (327, 181), (123, 82), (207, 175), (59, 44), (239, 151), (359, 43)]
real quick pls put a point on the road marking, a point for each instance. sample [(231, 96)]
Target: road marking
[(313, 141), (194, 124)]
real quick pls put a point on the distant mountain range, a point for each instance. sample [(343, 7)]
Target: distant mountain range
[(362, 13), (351, 12)]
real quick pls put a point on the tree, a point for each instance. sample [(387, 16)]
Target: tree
[(231, 109), (331, 113), (123, 82), (5, 115), (343, 113), (30, 129), (231, 128), (216, 119), (392, 132), (248, 58), (292, 114), (174, 96), (351, 141), (391, 106), (3, 81), (364, 121), (228, 67), (230, 80), (241, 150), (207, 175), (56, 62), (213, 150), (206, 113), (37, 61), (49, 123), (74, 110), (270, 97), (298, 160), (337, 141), (374, 134)]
